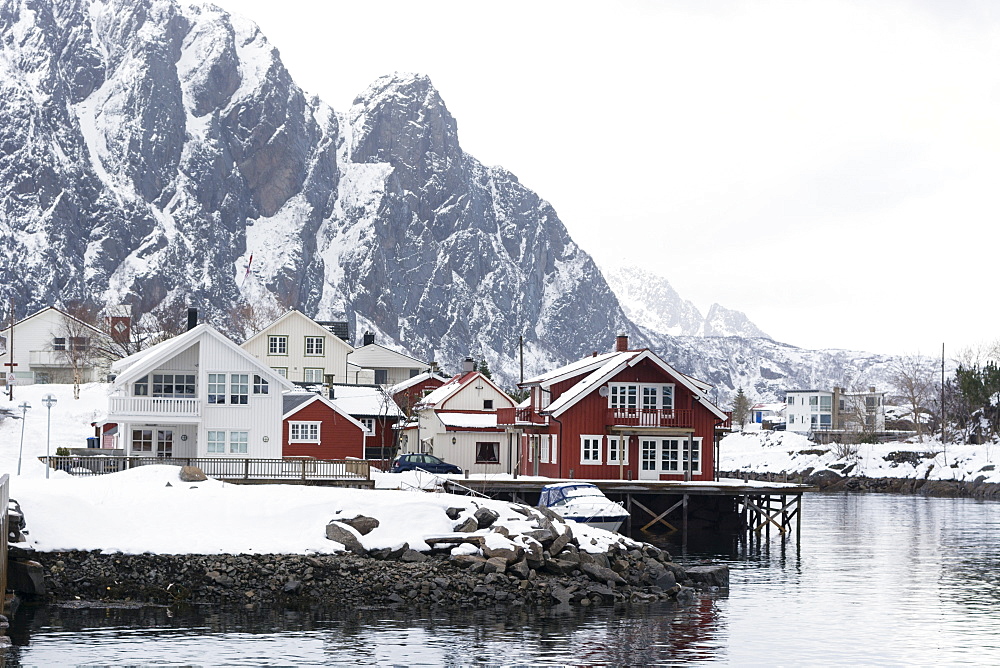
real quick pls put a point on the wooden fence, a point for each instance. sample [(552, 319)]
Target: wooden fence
[(225, 468)]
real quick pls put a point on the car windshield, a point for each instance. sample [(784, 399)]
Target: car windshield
[(582, 490)]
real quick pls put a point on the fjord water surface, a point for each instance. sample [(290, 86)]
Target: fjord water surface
[(898, 580)]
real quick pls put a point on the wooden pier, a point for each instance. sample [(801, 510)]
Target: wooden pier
[(750, 508)]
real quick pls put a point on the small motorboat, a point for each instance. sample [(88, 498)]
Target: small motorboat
[(585, 503)]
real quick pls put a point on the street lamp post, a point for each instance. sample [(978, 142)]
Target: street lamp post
[(24, 411), (49, 400)]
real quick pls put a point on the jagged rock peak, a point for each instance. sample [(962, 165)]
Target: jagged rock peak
[(722, 321), (402, 120)]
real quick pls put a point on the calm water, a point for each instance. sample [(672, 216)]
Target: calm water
[(875, 580)]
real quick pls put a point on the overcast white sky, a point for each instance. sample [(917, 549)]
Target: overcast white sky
[(830, 168)]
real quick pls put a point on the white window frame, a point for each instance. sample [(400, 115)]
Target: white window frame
[(277, 344), (369, 424), (214, 444), (239, 389), (591, 450), (318, 344), (645, 396), (304, 431), (241, 446), (618, 445), (306, 374)]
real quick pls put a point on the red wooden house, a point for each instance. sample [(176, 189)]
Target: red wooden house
[(621, 415), (410, 392), (313, 426)]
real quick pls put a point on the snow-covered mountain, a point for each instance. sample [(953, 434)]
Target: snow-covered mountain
[(160, 155), (651, 302)]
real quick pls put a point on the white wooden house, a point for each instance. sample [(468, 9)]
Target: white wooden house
[(197, 395), (46, 346), (387, 367), (302, 350), (458, 423)]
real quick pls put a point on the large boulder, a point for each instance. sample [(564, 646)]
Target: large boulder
[(192, 474), (713, 575), (340, 533), (363, 525)]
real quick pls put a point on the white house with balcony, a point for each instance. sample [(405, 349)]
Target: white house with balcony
[(46, 346), (197, 395)]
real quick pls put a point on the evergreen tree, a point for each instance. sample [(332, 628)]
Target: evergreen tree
[(484, 369), (741, 408)]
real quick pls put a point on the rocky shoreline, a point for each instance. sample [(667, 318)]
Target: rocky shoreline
[(635, 575), (830, 481)]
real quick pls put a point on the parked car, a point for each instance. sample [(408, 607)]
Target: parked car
[(428, 463)]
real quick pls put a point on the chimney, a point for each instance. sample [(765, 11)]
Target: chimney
[(192, 318), (871, 388), (331, 394), (368, 339), (621, 343), (468, 365)]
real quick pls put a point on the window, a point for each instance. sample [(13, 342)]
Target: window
[(303, 432), (870, 403), (141, 387), (826, 403), (543, 449), (487, 404), (488, 453), (649, 455), (238, 441), (277, 345), (142, 440), (670, 455), (59, 343), (239, 389), (813, 402), (216, 388), (312, 375), (381, 376), (173, 385), (281, 371), (414, 372), (825, 421), (590, 449), (790, 400), (78, 343), (617, 450), (259, 385), (216, 442), (314, 345), (654, 396), (369, 424)]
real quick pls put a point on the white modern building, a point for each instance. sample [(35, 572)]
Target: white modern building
[(837, 410), (46, 346)]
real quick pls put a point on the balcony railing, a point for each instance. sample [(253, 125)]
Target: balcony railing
[(514, 416), (57, 358), (650, 417), (161, 406)]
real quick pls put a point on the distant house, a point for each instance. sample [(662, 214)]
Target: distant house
[(303, 350), (372, 407), (766, 415), (412, 391), (387, 367), (620, 415), (835, 410), (46, 348), (458, 423), (313, 426), (197, 395)]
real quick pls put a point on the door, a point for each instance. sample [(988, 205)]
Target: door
[(672, 456), (165, 443)]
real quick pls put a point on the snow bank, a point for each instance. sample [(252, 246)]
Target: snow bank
[(788, 452)]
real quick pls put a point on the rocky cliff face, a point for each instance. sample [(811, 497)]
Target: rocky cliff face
[(159, 155)]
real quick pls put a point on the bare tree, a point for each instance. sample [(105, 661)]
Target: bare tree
[(913, 378), (246, 319), (75, 343)]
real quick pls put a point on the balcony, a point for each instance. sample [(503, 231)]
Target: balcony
[(53, 358), (520, 416), (650, 417), (172, 407)]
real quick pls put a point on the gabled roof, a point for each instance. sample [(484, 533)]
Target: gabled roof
[(416, 380), (439, 397), (585, 365), (293, 402), (615, 363), (375, 356), (275, 326), (137, 365), (60, 312)]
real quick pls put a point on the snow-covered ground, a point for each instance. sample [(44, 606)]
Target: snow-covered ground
[(788, 452), (149, 509)]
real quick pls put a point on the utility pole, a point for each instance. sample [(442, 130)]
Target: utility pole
[(10, 353), (943, 413)]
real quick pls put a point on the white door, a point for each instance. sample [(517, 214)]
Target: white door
[(668, 456)]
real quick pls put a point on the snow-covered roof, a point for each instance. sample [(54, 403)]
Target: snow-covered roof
[(365, 400), (614, 363), (468, 420), (60, 312), (293, 402), (416, 380), (584, 365), (375, 356), (439, 396), (135, 366)]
